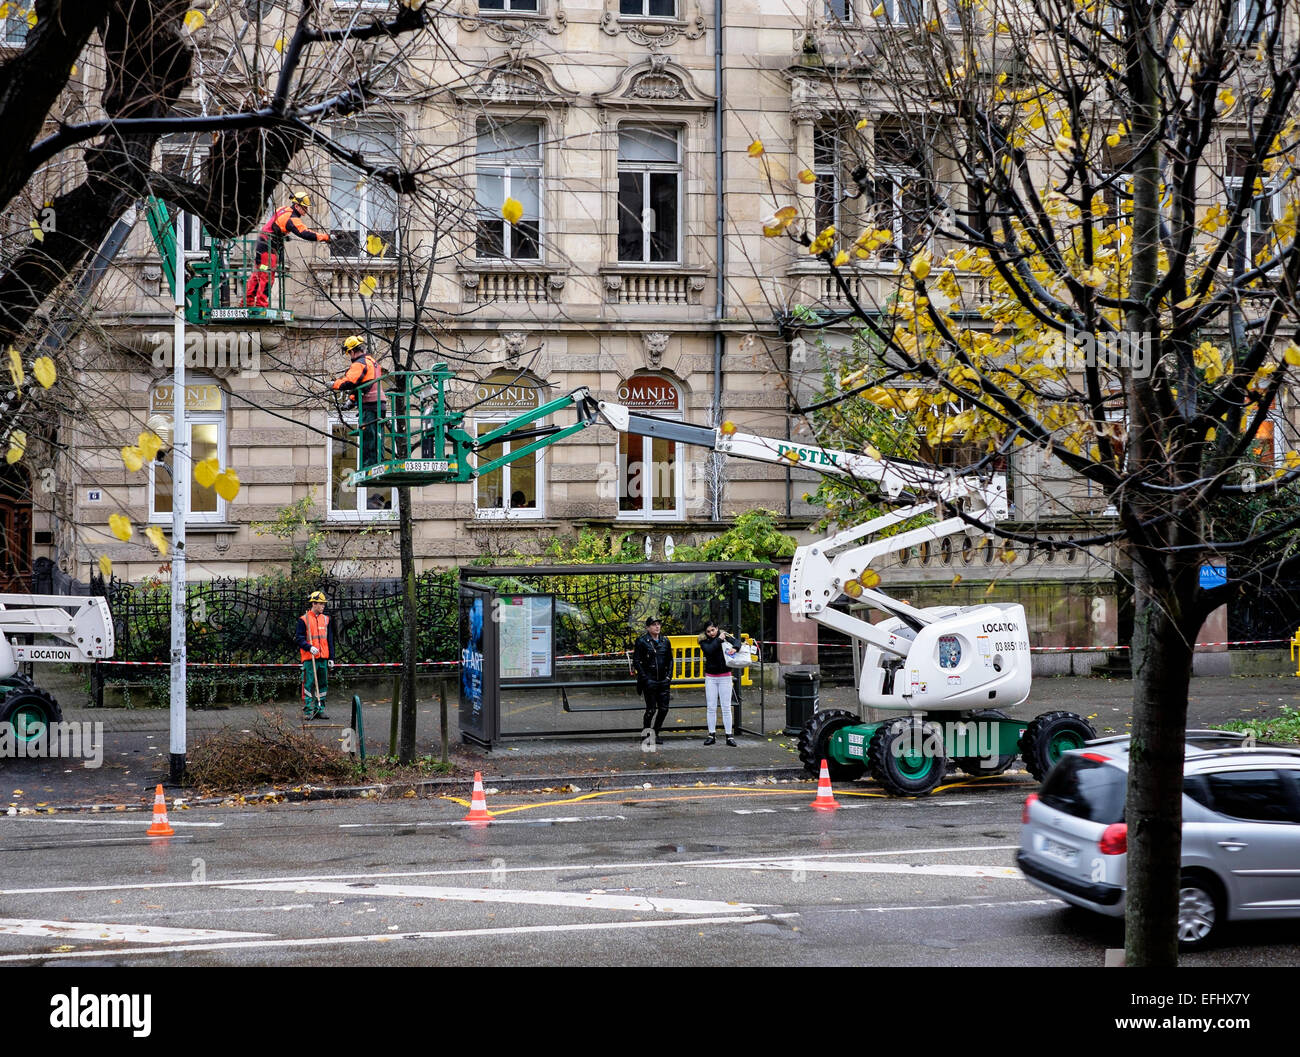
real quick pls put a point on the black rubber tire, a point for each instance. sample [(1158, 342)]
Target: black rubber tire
[(974, 765), (813, 739), (885, 766), (1200, 911), (29, 700), (1036, 742)]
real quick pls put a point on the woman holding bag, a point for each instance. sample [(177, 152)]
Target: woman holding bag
[(715, 644)]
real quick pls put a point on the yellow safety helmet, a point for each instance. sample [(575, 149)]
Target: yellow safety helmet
[(301, 198), (317, 596), (354, 342)]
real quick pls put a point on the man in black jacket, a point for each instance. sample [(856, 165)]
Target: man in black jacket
[(653, 661)]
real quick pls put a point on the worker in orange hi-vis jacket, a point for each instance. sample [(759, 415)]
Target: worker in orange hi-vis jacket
[(270, 247)]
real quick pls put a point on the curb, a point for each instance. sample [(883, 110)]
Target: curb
[(444, 786)]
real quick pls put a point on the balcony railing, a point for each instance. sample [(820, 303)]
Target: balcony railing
[(654, 288), (522, 286)]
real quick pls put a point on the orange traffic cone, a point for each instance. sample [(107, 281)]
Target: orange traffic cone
[(825, 797), (161, 827), (478, 811)]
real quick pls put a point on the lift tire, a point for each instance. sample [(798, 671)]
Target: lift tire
[(1049, 736), (814, 739), (903, 773), (30, 711), (975, 765)]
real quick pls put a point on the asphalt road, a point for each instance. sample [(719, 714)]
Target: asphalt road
[(695, 876)]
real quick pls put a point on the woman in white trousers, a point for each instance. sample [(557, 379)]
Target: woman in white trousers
[(717, 681)]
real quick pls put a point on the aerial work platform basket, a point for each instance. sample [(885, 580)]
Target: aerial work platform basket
[(215, 283), (415, 439)]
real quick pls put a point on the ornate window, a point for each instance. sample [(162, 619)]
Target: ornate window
[(648, 8), (205, 421), (650, 469), (649, 195), (363, 207), (517, 489), (902, 194), (345, 502), (509, 165)]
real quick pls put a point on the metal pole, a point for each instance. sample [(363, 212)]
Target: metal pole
[(180, 506)]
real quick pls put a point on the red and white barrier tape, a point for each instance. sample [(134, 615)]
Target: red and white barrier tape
[(1046, 649)]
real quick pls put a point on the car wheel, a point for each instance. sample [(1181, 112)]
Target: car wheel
[(816, 735), (1200, 912), (1049, 737), (904, 758)]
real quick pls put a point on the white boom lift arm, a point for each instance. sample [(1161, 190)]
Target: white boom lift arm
[(933, 658), (81, 626)]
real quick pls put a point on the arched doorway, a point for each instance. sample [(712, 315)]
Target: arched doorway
[(15, 530)]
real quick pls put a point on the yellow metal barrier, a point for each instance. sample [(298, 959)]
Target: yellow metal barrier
[(1295, 648), (688, 663)]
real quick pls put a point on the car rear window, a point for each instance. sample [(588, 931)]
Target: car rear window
[(1087, 789)]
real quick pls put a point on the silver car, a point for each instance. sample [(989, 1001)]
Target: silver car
[(1241, 832)]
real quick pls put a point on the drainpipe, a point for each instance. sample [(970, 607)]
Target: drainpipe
[(720, 253)]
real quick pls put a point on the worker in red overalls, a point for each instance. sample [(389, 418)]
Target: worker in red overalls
[(362, 377), (270, 247), (315, 637)]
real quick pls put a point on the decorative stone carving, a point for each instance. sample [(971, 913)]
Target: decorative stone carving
[(513, 27), (613, 284), (656, 82), (654, 33), (698, 283), (221, 541), (556, 281), (656, 344), (513, 342), (469, 280), (514, 79)]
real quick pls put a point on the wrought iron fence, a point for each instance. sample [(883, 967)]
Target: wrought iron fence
[(1270, 613), (235, 621)]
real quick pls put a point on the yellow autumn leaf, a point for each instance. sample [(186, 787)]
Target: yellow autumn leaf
[(157, 538), (17, 445), (31, 18), (16, 367), (841, 259), (869, 578), (120, 526), (133, 457), (1187, 302), (375, 245), (227, 485), (920, 267), (878, 10), (368, 286), (1008, 555), (807, 176), (955, 580), (194, 20), (280, 42), (149, 443), (861, 124), (105, 566), (205, 472), (5, 9), (512, 210), (38, 233), (44, 371), (1292, 355), (755, 148)]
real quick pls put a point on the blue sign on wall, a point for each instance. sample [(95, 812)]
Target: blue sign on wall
[(785, 589), (1213, 576)]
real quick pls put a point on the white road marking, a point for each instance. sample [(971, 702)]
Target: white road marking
[(495, 822), (392, 937), (949, 906), (103, 821), (92, 930), (739, 864), (929, 870), (582, 900)]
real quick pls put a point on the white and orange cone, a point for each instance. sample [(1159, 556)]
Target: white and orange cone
[(161, 827), (478, 811), (825, 797)]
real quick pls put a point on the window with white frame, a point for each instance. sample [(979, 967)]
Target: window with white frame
[(1249, 21), (184, 158), (346, 502), (516, 489), (648, 8), (489, 6), (509, 165), (14, 28), (839, 10), (902, 12), (1262, 212), (649, 195), (902, 197), (361, 206), (205, 421), (828, 168), (650, 469)]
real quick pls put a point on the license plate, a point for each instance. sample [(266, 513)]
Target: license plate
[(1061, 852)]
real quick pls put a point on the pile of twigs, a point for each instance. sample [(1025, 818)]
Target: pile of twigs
[(273, 751)]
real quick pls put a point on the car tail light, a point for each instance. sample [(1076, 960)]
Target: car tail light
[(1029, 802), (1114, 840)]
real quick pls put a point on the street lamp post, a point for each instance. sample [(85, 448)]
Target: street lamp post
[(180, 507)]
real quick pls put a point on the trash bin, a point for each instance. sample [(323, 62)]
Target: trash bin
[(800, 699)]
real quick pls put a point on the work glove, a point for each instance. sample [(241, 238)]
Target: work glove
[(325, 236), (315, 651)]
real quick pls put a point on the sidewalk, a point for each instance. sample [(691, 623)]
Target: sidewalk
[(136, 741)]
